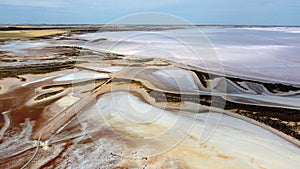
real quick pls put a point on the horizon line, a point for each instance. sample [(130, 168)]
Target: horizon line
[(100, 24)]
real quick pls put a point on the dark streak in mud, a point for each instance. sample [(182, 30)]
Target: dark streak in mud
[(74, 84), (43, 96), (9, 71), (205, 77)]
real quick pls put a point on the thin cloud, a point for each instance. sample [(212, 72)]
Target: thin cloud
[(35, 3), (102, 4)]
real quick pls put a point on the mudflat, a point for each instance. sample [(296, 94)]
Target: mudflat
[(68, 94)]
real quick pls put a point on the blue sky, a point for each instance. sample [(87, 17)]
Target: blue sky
[(223, 12)]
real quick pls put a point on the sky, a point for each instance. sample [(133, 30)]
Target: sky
[(197, 12)]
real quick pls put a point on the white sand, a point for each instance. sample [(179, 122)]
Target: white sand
[(230, 143), (82, 75)]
